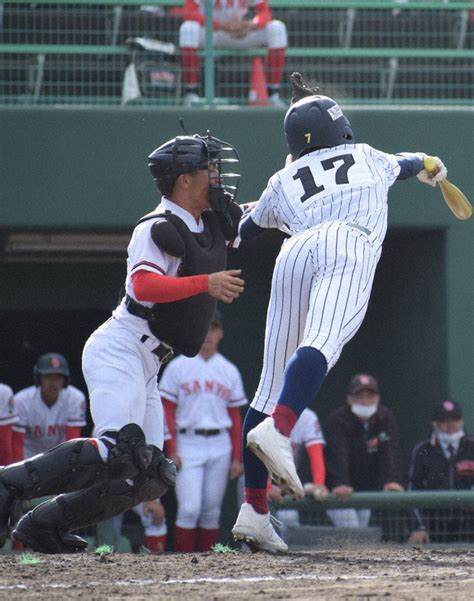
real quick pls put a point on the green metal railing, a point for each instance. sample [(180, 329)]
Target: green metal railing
[(388, 501), (447, 515), (361, 51)]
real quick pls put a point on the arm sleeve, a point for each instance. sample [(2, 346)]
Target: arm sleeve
[(236, 433), (192, 13), (73, 432), (316, 460), (248, 229), (18, 446), (6, 447), (410, 164), (151, 287), (263, 14), (336, 454), (170, 414)]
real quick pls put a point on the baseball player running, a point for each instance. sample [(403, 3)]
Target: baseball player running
[(175, 275), (49, 412), (331, 198), (202, 398)]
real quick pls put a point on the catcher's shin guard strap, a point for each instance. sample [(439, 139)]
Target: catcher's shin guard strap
[(69, 466)]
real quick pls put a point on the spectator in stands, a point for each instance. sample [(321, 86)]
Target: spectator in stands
[(362, 452), (232, 30), (306, 433), (7, 419), (444, 462)]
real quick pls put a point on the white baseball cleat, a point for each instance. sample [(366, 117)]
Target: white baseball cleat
[(257, 531), (274, 450)]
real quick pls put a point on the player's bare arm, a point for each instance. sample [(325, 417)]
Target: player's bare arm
[(226, 285)]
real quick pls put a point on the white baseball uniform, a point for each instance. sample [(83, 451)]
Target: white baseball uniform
[(333, 203), (8, 413), (45, 427), (118, 363), (202, 390), (7, 418), (306, 432)]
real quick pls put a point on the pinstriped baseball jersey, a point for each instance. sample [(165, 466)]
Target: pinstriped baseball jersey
[(7, 406), (346, 183), (333, 203), (45, 427)]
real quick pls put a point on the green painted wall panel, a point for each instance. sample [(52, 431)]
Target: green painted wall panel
[(80, 167)]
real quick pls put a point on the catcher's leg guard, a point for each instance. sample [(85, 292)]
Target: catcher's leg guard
[(47, 527), (71, 466)]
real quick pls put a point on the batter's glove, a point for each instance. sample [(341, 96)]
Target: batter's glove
[(300, 89), (433, 178)]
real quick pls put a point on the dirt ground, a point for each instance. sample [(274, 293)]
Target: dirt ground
[(343, 573)]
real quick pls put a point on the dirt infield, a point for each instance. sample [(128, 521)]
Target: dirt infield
[(354, 573)]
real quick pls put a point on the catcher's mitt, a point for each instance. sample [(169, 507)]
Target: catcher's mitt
[(299, 88)]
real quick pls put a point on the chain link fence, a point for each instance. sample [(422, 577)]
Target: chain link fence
[(116, 52)]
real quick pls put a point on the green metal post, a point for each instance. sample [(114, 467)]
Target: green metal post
[(209, 87)]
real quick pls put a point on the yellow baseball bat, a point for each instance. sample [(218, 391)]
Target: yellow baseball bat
[(455, 199)]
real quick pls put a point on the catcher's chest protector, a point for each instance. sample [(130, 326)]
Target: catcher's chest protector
[(184, 324)]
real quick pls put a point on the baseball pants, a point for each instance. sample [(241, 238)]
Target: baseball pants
[(320, 292)]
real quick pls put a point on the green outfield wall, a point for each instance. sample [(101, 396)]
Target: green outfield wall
[(66, 169)]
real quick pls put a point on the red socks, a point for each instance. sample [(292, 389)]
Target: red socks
[(285, 419), (257, 497), (206, 538), (184, 539), (155, 544)]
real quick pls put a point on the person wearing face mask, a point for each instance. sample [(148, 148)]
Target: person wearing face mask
[(444, 462), (362, 452)]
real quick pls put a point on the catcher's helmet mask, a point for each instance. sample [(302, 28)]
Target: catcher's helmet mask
[(186, 154), (316, 122)]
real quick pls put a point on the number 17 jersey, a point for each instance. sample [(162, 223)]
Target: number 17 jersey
[(347, 183)]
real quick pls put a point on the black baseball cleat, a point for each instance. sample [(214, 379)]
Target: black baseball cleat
[(46, 539), (6, 505)]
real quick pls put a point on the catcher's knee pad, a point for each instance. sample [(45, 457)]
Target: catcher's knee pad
[(189, 34), (277, 34), (159, 477), (129, 454), (71, 465)]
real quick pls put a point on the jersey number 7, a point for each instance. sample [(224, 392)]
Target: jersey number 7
[(307, 180)]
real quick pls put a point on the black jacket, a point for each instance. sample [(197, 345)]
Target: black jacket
[(364, 458), (431, 470)]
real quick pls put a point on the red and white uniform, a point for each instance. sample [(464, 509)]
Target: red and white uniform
[(46, 426), (200, 396), (7, 418), (269, 33), (118, 363)]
